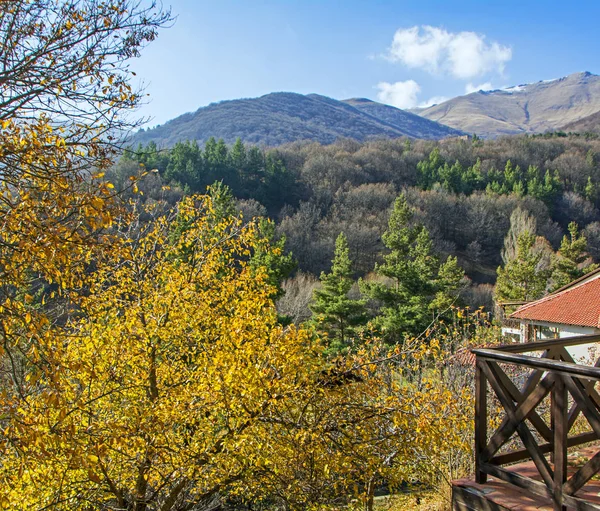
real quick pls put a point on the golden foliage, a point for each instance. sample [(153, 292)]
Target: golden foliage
[(161, 382), (175, 382), (142, 365)]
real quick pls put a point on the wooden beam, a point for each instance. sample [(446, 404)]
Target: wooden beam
[(529, 442), (520, 398), (593, 373), (525, 347), (523, 454), (537, 487), (583, 475), (559, 415), (588, 408), (589, 389), (511, 423), (480, 421)]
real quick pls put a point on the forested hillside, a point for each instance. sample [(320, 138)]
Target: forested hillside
[(464, 191), (284, 117), (144, 365), (224, 326)]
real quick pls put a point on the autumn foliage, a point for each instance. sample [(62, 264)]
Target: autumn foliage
[(174, 383), (142, 362)]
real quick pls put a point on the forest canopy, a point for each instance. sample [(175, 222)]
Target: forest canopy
[(463, 191)]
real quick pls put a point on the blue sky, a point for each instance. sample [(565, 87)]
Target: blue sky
[(406, 53)]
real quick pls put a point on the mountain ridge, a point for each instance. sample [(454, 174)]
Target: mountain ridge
[(538, 107), (281, 117)]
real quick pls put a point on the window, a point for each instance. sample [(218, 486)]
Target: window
[(546, 332)]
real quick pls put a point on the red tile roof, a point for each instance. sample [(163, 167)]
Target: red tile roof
[(577, 304)]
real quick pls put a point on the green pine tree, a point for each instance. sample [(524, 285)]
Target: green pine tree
[(270, 254), (525, 276), (334, 312), (222, 200), (472, 178), (223, 208), (572, 259), (237, 155), (590, 191), (449, 280), (417, 285), (428, 170)]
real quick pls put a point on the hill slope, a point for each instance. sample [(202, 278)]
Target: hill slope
[(530, 108), (284, 117), (408, 122), (589, 124)]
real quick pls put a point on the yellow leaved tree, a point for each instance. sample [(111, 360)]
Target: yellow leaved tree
[(64, 98), (174, 384), (142, 365), (151, 398)]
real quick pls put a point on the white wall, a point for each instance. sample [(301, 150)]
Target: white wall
[(584, 353)]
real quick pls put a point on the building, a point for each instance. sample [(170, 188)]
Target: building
[(570, 311)]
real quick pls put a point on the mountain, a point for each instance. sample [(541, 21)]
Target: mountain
[(529, 108), (589, 124), (283, 117), (408, 122)]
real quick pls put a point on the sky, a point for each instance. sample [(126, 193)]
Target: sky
[(403, 53)]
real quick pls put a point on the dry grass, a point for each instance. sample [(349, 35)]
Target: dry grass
[(431, 500)]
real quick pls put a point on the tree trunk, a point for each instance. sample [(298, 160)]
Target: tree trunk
[(370, 494)]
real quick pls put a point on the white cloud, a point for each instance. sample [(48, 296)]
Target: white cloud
[(469, 88), (399, 94), (435, 100), (463, 55)]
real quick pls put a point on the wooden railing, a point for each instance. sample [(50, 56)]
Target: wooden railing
[(556, 374)]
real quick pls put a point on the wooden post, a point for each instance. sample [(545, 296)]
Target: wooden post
[(559, 416), (480, 420)]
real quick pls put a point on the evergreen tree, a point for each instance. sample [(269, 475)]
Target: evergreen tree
[(428, 170), (451, 177), (334, 312), (185, 165), (472, 178), (419, 284), (572, 260), (223, 210), (210, 152), (552, 188), (512, 175), (525, 276), (590, 191), (270, 254), (494, 188), (222, 201), (450, 277), (237, 155), (254, 172), (518, 189)]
